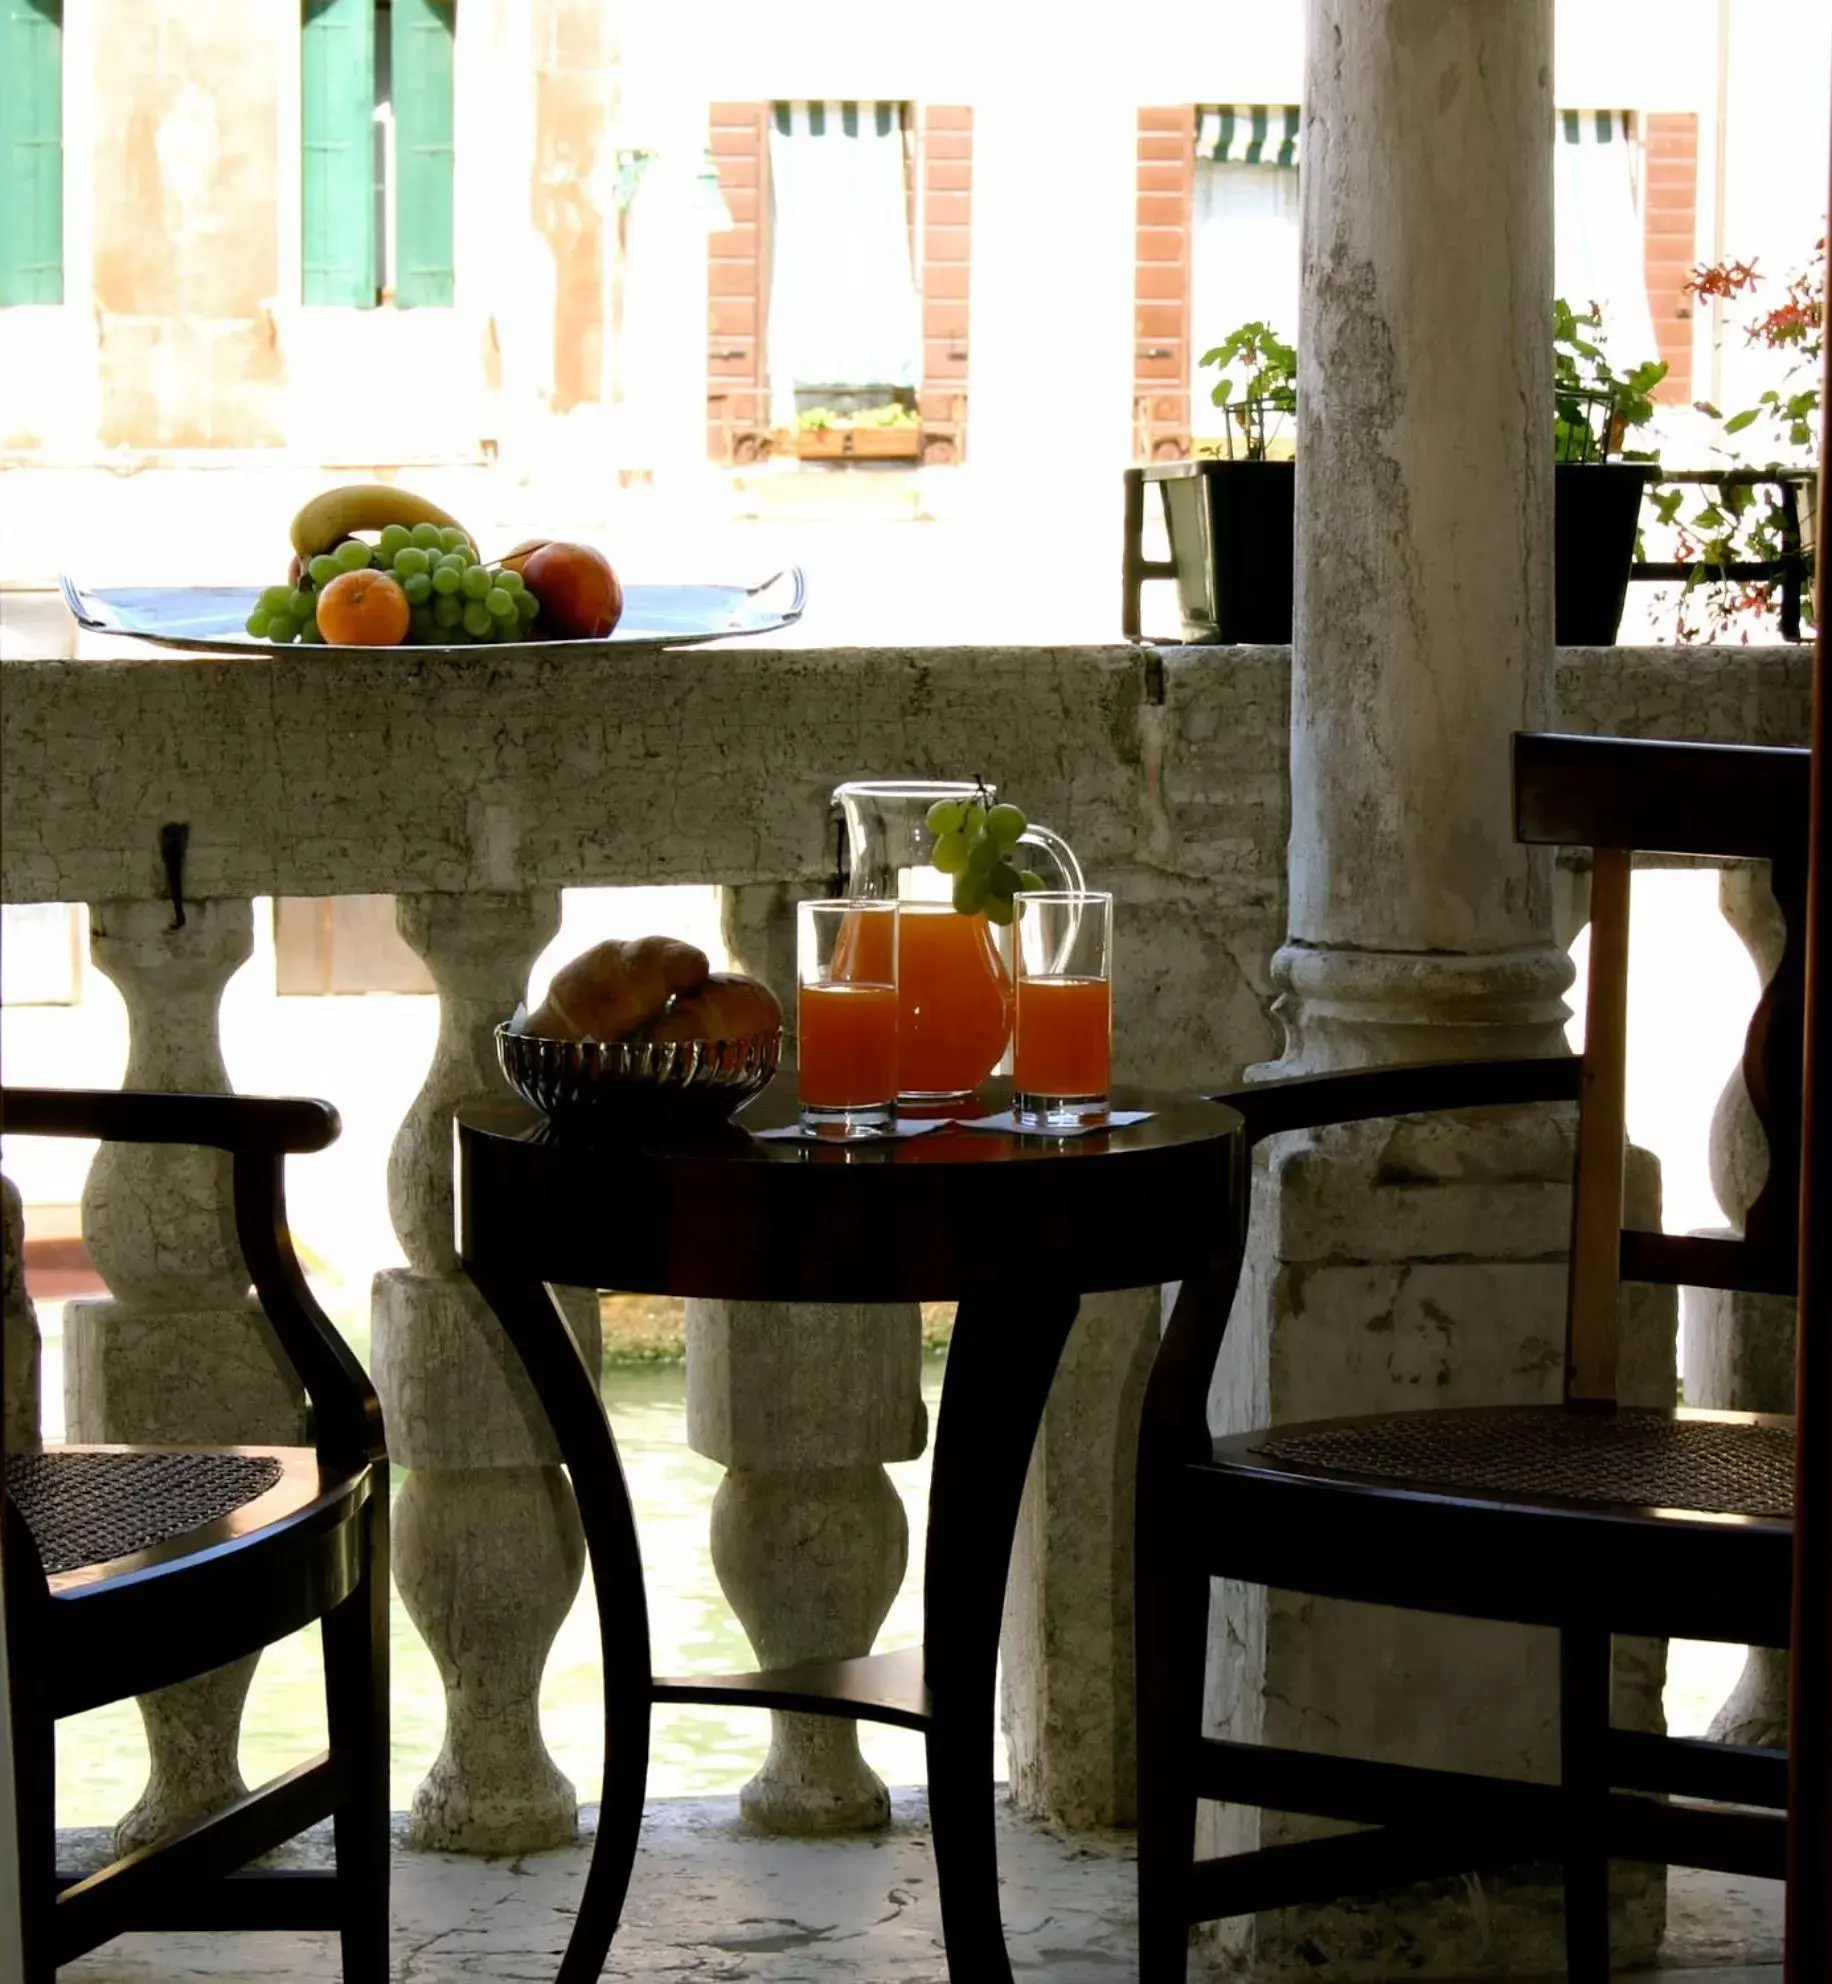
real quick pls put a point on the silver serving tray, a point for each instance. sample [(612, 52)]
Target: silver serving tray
[(211, 619)]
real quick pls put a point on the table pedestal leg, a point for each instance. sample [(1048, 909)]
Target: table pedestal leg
[(1000, 1365), (563, 1383)]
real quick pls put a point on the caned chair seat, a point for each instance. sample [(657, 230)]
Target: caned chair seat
[(1668, 1523), (90, 1505), (1704, 1462)]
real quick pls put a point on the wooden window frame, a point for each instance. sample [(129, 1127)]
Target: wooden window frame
[(32, 125)]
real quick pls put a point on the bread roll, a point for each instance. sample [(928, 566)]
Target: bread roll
[(726, 1007), (612, 989)]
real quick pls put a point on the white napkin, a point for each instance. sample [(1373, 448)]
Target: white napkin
[(1008, 1125)]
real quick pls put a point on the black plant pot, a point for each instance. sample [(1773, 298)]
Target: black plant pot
[(1232, 532), (1596, 508)]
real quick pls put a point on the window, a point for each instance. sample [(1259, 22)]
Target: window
[(31, 151), (1244, 235), (376, 120), (845, 322), (1600, 249)]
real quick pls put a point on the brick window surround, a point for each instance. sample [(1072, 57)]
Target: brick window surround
[(1164, 363), (944, 275), (1669, 210), (737, 394)]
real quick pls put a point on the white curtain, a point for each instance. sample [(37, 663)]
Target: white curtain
[(844, 309), (1243, 264), (1599, 246)]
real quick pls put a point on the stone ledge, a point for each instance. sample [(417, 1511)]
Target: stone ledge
[(361, 774)]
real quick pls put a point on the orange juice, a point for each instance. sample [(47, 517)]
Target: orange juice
[(954, 1011), (1065, 1036), (848, 1045)]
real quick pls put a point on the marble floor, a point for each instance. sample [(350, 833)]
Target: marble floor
[(716, 1904)]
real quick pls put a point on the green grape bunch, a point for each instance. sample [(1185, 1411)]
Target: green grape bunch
[(975, 843), (452, 596)]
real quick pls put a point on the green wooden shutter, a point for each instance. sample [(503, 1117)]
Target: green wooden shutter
[(337, 124), (31, 151), (422, 59)]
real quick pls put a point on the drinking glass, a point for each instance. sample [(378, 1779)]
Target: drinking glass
[(1064, 1046), (846, 1016)]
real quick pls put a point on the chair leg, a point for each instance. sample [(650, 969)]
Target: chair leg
[(35, 1791), (356, 1708), (1586, 1661), (1170, 1614)]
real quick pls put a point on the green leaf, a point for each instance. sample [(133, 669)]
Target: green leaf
[(1738, 421)]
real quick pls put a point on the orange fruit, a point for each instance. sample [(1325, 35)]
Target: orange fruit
[(363, 610)]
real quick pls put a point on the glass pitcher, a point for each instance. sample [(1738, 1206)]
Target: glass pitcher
[(954, 1015)]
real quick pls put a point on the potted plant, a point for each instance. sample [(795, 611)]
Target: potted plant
[(1230, 516), (890, 432), (1598, 481)]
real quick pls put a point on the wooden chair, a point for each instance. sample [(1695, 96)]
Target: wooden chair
[(130, 1568), (1584, 1516)]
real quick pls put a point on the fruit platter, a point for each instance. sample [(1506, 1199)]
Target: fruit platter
[(374, 566)]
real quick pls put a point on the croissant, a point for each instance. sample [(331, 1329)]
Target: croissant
[(725, 1007), (612, 989)]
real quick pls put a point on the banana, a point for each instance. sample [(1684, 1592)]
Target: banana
[(339, 513)]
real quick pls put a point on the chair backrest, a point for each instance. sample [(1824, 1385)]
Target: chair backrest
[(1620, 797)]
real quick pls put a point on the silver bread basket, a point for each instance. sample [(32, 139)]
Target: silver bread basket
[(704, 1078)]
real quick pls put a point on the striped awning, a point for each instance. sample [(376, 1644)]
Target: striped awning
[(1248, 133), (1595, 127), (836, 119)]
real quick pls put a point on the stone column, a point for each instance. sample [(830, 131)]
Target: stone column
[(1413, 1264), (19, 1324), (802, 1406), (488, 1551), (1066, 1677), (178, 1352), (1739, 1349)]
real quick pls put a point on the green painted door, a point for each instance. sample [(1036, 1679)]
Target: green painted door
[(337, 122), (421, 53), (31, 151)]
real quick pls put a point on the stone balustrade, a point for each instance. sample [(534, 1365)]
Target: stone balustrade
[(474, 790)]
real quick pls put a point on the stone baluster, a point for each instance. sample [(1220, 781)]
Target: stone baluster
[(802, 1406), (178, 1352), (488, 1551), (1739, 1349), (1414, 1263)]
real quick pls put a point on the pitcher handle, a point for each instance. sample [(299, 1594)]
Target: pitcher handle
[(1060, 853), (1063, 856)]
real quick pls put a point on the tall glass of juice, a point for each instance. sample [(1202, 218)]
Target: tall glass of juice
[(846, 1016), (1063, 1051)]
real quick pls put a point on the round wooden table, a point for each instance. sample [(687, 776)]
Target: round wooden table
[(1014, 1230)]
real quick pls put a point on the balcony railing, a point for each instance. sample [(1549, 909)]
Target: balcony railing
[(1792, 569), (474, 791)]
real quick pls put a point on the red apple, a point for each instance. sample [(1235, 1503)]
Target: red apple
[(578, 592)]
